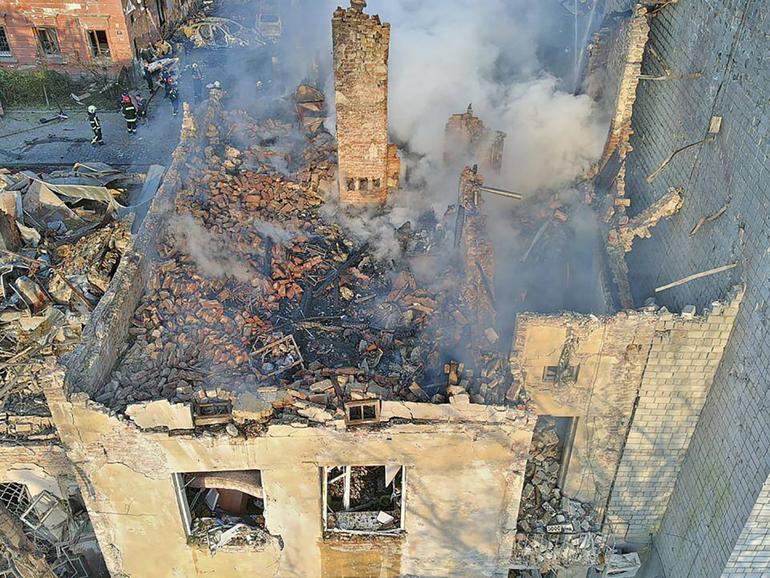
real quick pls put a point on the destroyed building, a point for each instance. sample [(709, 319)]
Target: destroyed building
[(467, 140), (78, 36), (255, 390), (368, 165)]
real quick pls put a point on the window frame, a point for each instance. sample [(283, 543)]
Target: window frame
[(4, 34), (95, 48), (177, 480), (401, 529), (363, 403), (49, 30)]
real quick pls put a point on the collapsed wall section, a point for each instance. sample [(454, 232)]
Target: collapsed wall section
[(589, 369), (103, 339), (129, 470), (466, 139), (623, 62), (361, 46), (635, 384)]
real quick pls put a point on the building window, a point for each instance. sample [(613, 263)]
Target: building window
[(48, 41), (362, 411), (222, 508), (376, 183), (15, 498), (5, 46), (212, 412), (551, 373), (351, 184), (363, 185), (97, 42), (364, 499), (555, 373)]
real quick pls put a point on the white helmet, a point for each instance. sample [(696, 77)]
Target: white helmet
[(216, 84), (92, 109)]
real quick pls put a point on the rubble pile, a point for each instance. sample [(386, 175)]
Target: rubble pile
[(554, 531), (61, 245), (259, 290), (218, 533)]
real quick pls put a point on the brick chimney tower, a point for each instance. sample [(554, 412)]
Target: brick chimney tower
[(368, 165)]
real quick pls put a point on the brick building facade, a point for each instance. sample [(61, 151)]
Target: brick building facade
[(87, 35), (361, 46)]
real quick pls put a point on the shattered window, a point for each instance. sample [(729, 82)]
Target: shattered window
[(363, 499), (49, 41), (15, 497), (54, 526), (97, 41), (223, 509), (5, 46)]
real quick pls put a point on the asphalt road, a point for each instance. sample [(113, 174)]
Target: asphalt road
[(68, 141)]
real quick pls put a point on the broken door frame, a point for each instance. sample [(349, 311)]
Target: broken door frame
[(346, 499)]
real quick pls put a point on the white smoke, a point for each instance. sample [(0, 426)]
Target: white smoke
[(211, 253), (446, 55)]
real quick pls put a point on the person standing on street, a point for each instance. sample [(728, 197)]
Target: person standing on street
[(173, 95), (129, 113), (148, 77), (197, 78), (96, 126), (141, 108)]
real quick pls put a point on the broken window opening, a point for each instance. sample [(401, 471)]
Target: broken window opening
[(362, 411), (222, 509), (15, 498), (48, 41), (98, 44), (551, 373), (363, 184), (55, 526), (567, 374), (212, 412), (351, 184), (5, 46), (377, 183), (364, 499)]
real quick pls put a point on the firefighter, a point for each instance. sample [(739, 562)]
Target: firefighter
[(197, 78), (96, 126), (166, 79), (129, 113), (173, 95)]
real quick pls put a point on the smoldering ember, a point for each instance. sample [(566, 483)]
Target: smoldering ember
[(387, 289)]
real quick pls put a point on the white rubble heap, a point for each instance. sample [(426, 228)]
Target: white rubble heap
[(553, 531)]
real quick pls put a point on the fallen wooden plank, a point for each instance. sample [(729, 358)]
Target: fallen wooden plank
[(696, 276)]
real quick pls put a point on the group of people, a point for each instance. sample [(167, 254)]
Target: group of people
[(134, 108)]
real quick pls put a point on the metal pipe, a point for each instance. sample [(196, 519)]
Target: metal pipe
[(503, 193)]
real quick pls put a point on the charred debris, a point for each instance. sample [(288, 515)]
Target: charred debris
[(62, 236)]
